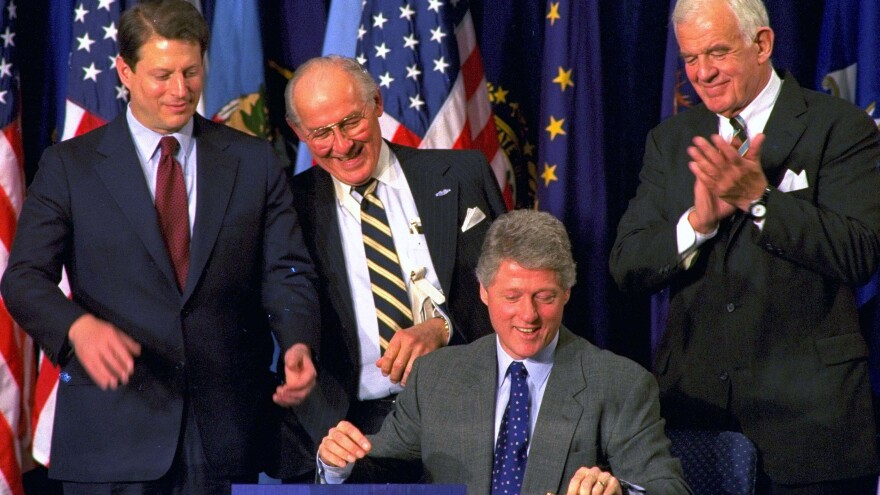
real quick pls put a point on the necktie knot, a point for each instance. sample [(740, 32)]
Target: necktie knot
[(169, 145), (517, 371), (367, 188)]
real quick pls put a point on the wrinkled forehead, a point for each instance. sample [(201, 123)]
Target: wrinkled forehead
[(323, 97)]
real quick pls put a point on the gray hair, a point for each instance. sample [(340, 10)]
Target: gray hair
[(364, 81), (751, 14), (533, 239)]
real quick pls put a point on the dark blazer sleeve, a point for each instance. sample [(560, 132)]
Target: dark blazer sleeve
[(289, 296), (40, 249)]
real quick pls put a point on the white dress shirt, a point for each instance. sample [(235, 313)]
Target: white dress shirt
[(412, 251)]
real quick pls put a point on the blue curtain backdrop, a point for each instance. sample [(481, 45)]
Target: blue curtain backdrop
[(632, 36)]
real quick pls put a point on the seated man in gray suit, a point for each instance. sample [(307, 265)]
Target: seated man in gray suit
[(562, 415)]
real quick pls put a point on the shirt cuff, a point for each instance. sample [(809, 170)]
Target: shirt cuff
[(332, 475), (439, 313), (689, 239), (630, 488)]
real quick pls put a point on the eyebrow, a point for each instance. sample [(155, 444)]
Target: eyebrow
[(718, 47)]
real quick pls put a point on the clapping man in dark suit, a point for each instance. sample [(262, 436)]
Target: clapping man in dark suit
[(183, 250), (759, 210), (438, 204), (530, 409)]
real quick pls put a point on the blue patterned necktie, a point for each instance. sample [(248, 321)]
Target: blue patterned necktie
[(511, 448)]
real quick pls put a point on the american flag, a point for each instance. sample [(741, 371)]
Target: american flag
[(16, 348), (94, 93), (425, 57), (94, 97)]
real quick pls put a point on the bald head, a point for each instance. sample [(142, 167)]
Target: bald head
[(311, 79)]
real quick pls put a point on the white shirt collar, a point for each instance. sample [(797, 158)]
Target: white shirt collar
[(538, 366), (146, 141), (758, 111), (387, 172)]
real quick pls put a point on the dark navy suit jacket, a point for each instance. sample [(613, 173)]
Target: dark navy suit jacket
[(89, 211)]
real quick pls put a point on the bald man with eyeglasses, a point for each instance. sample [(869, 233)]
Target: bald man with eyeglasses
[(432, 207)]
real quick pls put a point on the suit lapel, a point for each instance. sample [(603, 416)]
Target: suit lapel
[(784, 129), (329, 251), (216, 174), (558, 419), (436, 198), (481, 379), (123, 177)]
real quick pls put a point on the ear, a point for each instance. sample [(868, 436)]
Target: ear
[(764, 39), (484, 295), (296, 130), (124, 70), (378, 102)]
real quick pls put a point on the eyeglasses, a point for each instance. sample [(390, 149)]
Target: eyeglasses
[(351, 126)]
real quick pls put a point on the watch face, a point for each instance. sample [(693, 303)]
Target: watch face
[(758, 210)]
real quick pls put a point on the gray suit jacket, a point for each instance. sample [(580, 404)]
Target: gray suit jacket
[(599, 409)]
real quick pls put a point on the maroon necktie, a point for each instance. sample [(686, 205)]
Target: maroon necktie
[(171, 205)]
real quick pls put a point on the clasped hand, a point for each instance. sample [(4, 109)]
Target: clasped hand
[(725, 181)]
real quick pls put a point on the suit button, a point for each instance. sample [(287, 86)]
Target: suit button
[(730, 307), (723, 376), (179, 366)]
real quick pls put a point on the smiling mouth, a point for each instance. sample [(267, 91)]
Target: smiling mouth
[(350, 156), (526, 330)]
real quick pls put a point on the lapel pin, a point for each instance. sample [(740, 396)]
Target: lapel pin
[(442, 192)]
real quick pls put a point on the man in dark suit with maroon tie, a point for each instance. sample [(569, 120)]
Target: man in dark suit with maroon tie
[(181, 256)]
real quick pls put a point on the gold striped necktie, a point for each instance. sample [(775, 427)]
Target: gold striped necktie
[(389, 289)]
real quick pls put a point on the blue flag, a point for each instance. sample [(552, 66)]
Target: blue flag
[(511, 39), (570, 167), (234, 83)]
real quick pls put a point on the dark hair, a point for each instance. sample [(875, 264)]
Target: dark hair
[(170, 19)]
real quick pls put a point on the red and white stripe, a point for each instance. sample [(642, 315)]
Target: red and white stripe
[(465, 121), (78, 120), (16, 347), (43, 415)]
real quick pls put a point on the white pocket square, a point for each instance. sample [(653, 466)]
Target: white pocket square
[(473, 217), (793, 182)]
